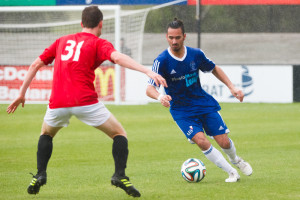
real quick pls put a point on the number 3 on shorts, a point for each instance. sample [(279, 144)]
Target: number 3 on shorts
[(70, 49)]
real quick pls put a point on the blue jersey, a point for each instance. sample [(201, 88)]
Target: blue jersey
[(182, 76)]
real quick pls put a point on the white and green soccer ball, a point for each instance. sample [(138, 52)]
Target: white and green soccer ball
[(193, 170)]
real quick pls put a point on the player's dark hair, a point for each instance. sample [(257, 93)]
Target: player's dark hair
[(176, 23), (91, 16)]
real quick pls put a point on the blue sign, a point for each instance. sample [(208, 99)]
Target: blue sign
[(114, 2)]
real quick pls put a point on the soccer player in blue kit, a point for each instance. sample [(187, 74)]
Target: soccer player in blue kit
[(194, 110)]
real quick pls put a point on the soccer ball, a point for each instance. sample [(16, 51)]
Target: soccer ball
[(193, 170)]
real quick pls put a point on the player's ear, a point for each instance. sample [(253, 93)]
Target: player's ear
[(100, 24), (81, 24), (184, 35)]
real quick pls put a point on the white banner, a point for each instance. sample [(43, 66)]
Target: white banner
[(260, 83)]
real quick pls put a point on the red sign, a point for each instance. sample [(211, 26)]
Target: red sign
[(12, 77), (245, 2)]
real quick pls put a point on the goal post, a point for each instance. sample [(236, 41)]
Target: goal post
[(26, 31)]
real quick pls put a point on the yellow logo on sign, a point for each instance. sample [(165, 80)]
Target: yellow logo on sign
[(104, 79)]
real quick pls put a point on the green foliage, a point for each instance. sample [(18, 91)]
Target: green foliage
[(157, 20), (257, 18), (266, 135)]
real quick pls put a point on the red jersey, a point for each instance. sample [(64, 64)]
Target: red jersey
[(76, 58)]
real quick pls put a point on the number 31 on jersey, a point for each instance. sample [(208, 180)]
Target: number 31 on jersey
[(70, 50)]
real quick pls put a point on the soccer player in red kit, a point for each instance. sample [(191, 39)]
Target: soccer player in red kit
[(73, 93)]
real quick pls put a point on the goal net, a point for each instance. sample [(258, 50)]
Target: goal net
[(26, 31)]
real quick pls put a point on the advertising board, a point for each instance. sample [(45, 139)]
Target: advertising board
[(269, 84), (11, 78)]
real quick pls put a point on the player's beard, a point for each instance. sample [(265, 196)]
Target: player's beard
[(176, 47)]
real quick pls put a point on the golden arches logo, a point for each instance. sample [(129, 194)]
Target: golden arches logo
[(103, 77)]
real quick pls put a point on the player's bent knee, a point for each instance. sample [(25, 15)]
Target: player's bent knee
[(201, 141), (49, 130), (112, 129)]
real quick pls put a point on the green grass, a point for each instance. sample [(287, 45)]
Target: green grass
[(266, 135)]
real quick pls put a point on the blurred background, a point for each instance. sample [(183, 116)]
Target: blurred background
[(256, 41), (235, 34)]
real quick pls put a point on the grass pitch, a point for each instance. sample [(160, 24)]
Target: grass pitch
[(265, 135)]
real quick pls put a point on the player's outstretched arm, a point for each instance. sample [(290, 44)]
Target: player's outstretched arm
[(154, 94), (125, 61), (34, 67), (220, 74)]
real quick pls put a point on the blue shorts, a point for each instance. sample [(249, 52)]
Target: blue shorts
[(212, 124)]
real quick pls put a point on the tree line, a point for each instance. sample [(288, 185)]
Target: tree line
[(239, 19)]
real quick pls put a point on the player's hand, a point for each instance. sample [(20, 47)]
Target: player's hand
[(238, 94), (14, 105), (165, 100), (158, 79)]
